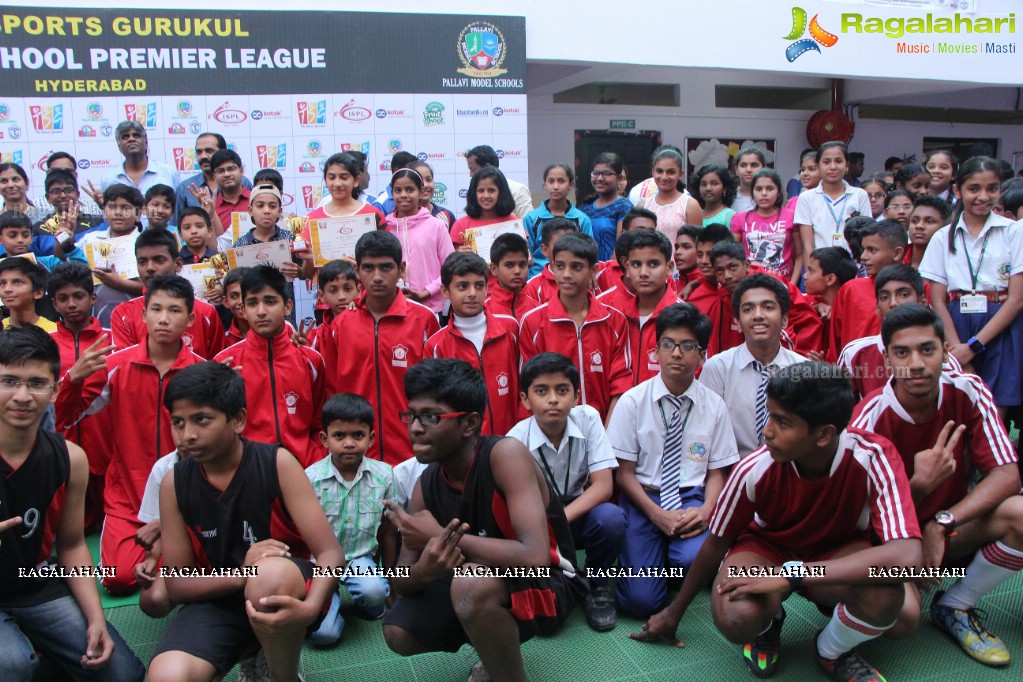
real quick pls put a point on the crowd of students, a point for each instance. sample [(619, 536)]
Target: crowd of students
[(767, 394)]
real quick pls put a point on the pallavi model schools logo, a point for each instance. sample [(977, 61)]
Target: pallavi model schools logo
[(481, 48), (818, 36)]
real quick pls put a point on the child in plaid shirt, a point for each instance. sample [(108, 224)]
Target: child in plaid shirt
[(352, 490)]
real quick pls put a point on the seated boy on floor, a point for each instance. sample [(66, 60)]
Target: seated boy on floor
[(269, 523), (673, 439), (482, 506), (351, 490), (841, 488), (559, 428)]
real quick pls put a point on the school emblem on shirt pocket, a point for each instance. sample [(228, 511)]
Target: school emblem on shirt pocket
[(697, 449), (502, 383), (652, 362), (1003, 272), (291, 400), (399, 356), (596, 360)]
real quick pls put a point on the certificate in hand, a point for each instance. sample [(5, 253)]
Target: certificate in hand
[(202, 277), (117, 253), (269, 253), (480, 239), (335, 238), (241, 223)]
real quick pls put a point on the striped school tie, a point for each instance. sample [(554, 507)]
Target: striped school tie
[(671, 468), (761, 404)]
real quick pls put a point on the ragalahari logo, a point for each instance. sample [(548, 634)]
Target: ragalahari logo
[(47, 118), (818, 36), (272, 155)]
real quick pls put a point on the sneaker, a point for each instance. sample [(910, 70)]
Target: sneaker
[(479, 674), (965, 628), (600, 609), (330, 628), (849, 667), (254, 669), (761, 655)]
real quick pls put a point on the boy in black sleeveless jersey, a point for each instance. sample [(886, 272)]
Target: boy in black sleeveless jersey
[(245, 509), (505, 574), (46, 605)]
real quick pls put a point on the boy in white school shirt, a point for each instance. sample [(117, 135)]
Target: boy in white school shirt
[(673, 438), (739, 375), (569, 443)]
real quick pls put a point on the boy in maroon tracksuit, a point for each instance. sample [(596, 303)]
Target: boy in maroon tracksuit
[(269, 361)]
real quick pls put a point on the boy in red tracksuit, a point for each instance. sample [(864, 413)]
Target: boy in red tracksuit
[(369, 349), (232, 300), (854, 313), (129, 385), (544, 286), (156, 252), (337, 286), (805, 328), (827, 269), (705, 293), (648, 264), (488, 342), (610, 272), (506, 288), (283, 382), (577, 325), (73, 294)]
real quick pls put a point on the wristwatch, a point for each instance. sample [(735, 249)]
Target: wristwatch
[(794, 574), (976, 345), (947, 521)]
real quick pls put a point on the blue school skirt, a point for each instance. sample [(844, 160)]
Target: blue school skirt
[(1000, 364)]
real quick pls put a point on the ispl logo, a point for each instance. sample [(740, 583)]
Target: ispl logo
[(311, 196), (312, 113), (47, 118), (272, 156), (818, 36), (184, 159), (144, 113), (12, 157), (228, 116), (350, 112)]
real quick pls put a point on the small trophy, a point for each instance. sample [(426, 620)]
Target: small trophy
[(101, 252), (220, 264), (297, 225), (210, 281), (52, 225)]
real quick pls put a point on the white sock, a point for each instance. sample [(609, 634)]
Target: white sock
[(993, 565), (844, 632)]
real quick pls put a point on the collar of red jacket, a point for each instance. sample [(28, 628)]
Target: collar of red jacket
[(503, 296), (280, 342), (494, 331), (399, 306), (598, 311), (140, 354), (91, 330)]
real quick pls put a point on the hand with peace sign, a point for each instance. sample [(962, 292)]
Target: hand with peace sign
[(301, 337), (441, 554), (931, 467), (95, 193), (92, 360)]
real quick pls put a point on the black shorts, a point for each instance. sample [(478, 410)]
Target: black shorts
[(218, 630), (430, 617)]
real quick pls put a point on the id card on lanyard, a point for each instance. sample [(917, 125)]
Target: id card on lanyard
[(974, 303), (838, 239)]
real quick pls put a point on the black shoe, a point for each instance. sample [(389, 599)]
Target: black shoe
[(600, 609), (761, 655)]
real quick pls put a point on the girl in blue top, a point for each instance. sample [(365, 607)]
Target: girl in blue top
[(558, 180), (606, 208)]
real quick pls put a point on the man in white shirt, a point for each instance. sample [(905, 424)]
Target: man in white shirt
[(137, 170), (483, 156), (739, 375), (673, 439)]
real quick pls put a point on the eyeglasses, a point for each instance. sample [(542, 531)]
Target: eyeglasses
[(34, 386), (62, 191), (876, 197), (428, 419), (687, 347), (224, 170), (603, 174)]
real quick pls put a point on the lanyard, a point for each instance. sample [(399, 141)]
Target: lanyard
[(664, 420), (831, 209), (974, 276), (550, 474)]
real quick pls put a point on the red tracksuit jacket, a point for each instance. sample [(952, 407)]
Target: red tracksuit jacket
[(284, 387), (131, 392), (370, 357), (543, 287), (498, 362), (500, 301), (205, 337), (853, 316), (642, 337), (600, 348)]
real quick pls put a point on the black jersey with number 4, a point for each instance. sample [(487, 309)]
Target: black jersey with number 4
[(225, 523), (35, 491)]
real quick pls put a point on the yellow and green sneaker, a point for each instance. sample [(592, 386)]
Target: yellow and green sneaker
[(965, 628)]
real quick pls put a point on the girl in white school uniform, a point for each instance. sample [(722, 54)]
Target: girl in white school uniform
[(821, 212), (975, 265)]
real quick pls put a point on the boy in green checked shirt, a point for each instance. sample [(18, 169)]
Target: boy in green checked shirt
[(352, 490)]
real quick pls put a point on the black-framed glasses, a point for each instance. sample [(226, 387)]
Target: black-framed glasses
[(62, 191), (428, 419), (687, 347), (603, 174)]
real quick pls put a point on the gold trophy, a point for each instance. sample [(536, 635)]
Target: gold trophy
[(220, 264), (52, 225), (210, 281), (100, 252), (297, 225)]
